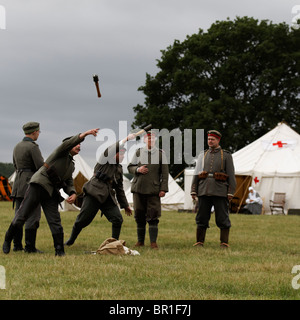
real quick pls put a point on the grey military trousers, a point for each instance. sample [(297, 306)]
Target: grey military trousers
[(36, 196), (220, 204), (147, 208), (33, 221), (91, 206)]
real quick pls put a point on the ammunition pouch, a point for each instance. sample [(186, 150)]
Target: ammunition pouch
[(221, 176), (203, 175), (55, 178)]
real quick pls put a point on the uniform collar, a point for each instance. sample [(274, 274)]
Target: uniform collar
[(214, 150), (152, 150), (27, 139)]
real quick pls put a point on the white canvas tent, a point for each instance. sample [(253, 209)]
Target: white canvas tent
[(273, 162), (188, 178), (173, 200), (82, 173)]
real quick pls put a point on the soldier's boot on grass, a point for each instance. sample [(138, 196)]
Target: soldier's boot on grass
[(10, 233), (30, 239), (153, 232), (224, 238), (58, 239), (74, 234), (18, 240), (141, 232), (200, 237)]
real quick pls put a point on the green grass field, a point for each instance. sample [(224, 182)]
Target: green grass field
[(257, 266)]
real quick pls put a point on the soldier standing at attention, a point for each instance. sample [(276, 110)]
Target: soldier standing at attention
[(44, 186), (214, 183), (100, 190), (150, 183), (27, 159)]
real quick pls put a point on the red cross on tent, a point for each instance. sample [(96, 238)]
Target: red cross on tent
[(279, 144), (256, 180)]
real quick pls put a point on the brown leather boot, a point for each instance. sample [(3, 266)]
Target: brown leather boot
[(200, 237), (153, 245), (224, 237)]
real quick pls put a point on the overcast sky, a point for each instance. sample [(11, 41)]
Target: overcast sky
[(50, 49)]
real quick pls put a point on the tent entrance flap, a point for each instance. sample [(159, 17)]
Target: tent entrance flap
[(240, 196)]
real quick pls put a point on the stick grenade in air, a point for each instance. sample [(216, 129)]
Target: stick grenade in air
[(96, 80)]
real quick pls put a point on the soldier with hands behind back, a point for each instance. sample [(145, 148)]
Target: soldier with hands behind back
[(27, 159)]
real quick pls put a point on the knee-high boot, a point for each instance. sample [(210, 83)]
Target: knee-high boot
[(10, 233), (153, 232), (224, 238), (30, 240), (58, 239), (74, 235), (18, 240), (141, 232), (200, 236)]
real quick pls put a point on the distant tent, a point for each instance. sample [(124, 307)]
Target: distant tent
[(271, 164), (189, 204), (5, 189), (173, 200), (82, 173)]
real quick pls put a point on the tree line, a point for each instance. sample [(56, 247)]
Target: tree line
[(240, 77)]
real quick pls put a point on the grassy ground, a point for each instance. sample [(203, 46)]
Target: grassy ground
[(257, 266)]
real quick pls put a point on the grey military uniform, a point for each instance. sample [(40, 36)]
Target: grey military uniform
[(103, 192), (212, 161), (42, 190), (156, 179), (146, 188), (63, 164), (211, 191), (27, 159), (110, 181)]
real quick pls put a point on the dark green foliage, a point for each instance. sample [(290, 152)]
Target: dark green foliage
[(6, 169), (240, 77)]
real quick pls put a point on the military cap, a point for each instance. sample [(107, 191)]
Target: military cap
[(30, 127), (214, 133), (150, 133)]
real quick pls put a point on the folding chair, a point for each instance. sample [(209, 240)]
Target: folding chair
[(278, 202)]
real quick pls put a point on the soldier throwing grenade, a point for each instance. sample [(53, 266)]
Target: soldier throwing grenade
[(214, 183)]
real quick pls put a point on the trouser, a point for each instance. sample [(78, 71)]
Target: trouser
[(36, 196), (147, 209), (221, 205), (32, 223), (89, 209)]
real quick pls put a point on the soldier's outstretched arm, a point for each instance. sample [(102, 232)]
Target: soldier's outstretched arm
[(89, 132)]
